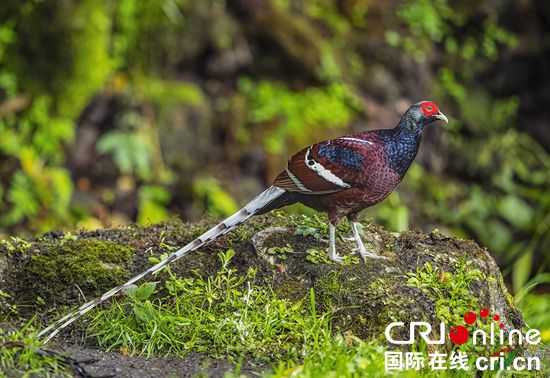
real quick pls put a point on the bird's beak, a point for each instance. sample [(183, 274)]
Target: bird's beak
[(441, 117)]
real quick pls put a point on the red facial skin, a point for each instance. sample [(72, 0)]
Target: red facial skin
[(429, 108)]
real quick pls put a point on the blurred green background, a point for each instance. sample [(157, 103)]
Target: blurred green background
[(136, 111)]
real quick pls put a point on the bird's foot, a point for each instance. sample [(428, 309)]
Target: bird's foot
[(368, 255), (336, 258)]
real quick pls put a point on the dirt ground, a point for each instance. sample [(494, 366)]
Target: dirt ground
[(120, 366)]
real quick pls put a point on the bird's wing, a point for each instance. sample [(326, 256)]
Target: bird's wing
[(328, 167)]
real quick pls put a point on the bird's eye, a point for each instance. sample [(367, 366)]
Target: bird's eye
[(429, 108)]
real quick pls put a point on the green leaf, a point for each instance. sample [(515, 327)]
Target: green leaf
[(165, 91), (516, 211), (144, 291), (152, 204), (522, 270), (131, 151), (219, 202), (130, 290)]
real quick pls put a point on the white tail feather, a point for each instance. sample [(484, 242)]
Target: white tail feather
[(227, 225)]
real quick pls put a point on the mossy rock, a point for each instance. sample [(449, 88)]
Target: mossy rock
[(62, 273), (364, 297)]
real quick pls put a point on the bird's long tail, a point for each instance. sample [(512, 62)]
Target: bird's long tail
[(258, 205)]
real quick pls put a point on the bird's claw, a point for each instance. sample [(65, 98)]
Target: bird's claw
[(336, 258), (364, 255), (375, 256)]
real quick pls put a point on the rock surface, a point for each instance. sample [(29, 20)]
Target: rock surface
[(289, 256)]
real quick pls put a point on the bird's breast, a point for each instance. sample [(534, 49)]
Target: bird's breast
[(401, 152), (379, 183)]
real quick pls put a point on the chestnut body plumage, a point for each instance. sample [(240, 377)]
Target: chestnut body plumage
[(361, 162), (341, 176)]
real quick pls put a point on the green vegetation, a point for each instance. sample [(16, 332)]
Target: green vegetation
[(229, 316), (535, 309), (318, 256), (21, 355), (340, 356), (223, 315), (450, 290), (453, 297), (304, 114)]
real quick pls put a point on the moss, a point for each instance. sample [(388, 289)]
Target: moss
[(292, 290), (239, 235), (62, 271), (362, 307), (328, 288)]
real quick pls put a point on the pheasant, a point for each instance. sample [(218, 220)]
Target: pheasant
[(340, 176)]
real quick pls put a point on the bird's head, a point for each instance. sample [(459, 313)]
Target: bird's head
[(425, 112)]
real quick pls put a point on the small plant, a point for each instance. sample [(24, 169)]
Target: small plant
[(318, 256), (67, 237), (317, 227), (281, 252), (6, 305), (306, 231), (21, 355), (448, 289), (313, 226), (16, 244)]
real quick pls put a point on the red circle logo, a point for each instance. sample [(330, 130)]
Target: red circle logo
[(459, 334), (470, 317)]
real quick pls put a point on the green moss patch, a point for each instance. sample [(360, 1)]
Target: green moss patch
[(62, 272)]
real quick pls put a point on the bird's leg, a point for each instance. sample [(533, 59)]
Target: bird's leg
[(360, 246), (332, 244)]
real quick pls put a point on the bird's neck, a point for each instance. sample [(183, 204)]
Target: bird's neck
[(402, 144)]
